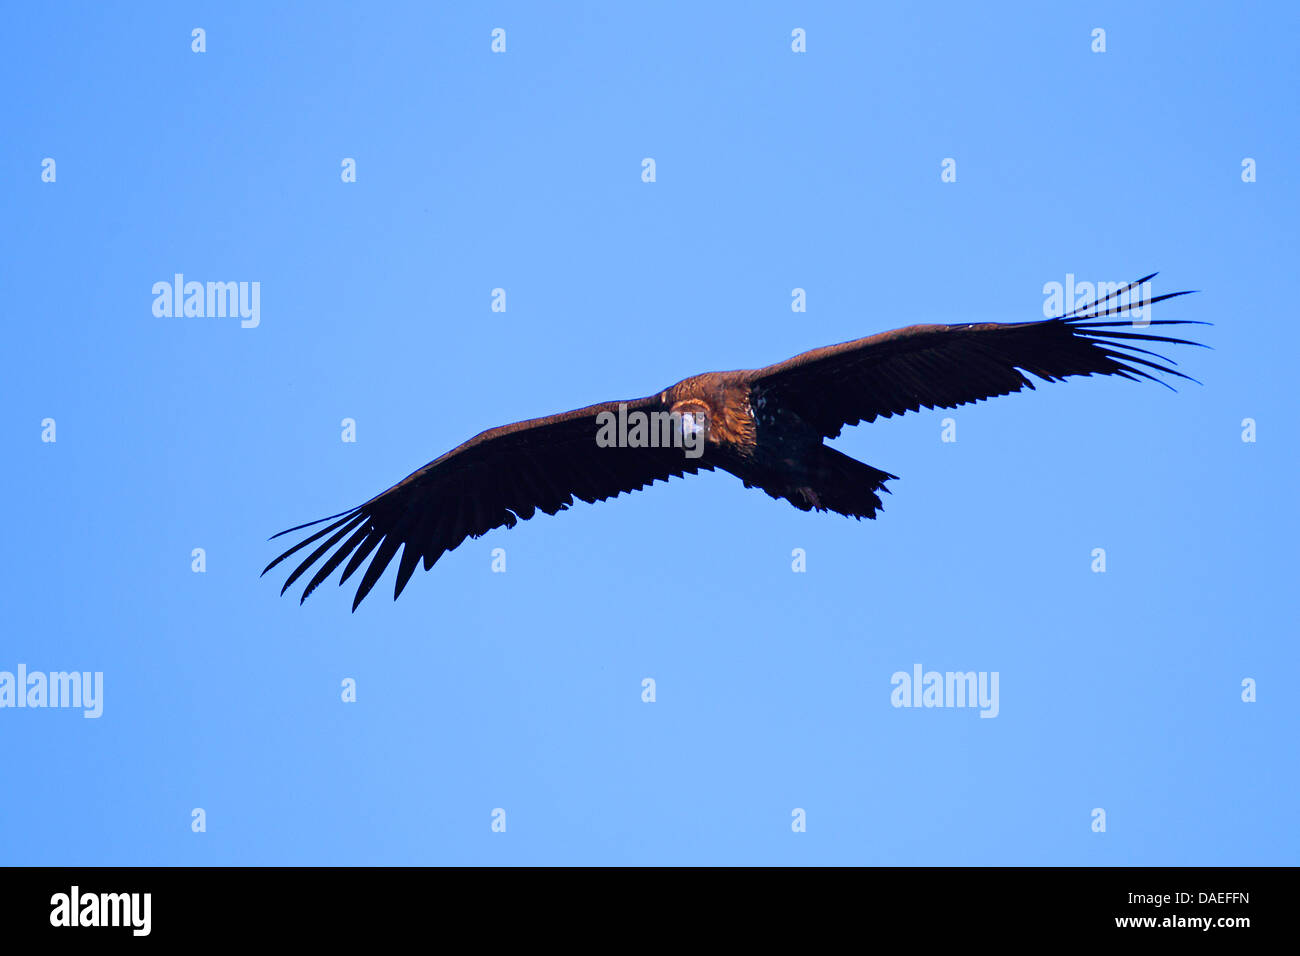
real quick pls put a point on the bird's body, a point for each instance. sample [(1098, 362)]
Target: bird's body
[(766, 444), (765, 426)]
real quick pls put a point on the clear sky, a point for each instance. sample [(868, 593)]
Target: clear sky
[(774, 170)]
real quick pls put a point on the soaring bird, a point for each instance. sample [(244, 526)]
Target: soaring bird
[(766, 426)]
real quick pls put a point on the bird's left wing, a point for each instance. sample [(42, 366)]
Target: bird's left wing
[(943, 366), (496, 478)]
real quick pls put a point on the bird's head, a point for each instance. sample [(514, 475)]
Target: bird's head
[(691, 421)]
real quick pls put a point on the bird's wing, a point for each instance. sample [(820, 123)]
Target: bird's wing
[(943, 366), (494, 479)]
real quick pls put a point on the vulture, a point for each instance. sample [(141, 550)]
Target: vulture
[(766, 426)]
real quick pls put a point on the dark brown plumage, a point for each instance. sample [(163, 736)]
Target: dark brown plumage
[(766, 426)]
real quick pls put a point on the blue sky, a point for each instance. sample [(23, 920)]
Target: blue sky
[(775, 170)]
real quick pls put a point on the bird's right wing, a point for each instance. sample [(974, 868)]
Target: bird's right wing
[(943, 366), (496, 478)]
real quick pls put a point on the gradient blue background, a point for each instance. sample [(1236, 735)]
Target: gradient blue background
[(522, 690)]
